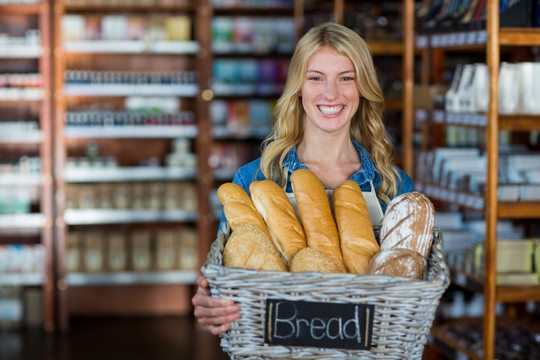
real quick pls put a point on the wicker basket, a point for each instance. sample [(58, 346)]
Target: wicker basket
[(404, 308)]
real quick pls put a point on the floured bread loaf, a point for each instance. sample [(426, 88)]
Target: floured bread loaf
[(285, 229), (358, 243), (248, 247), (309, 259), (408, 223), (316, 214), (398, 262), (238, 207)]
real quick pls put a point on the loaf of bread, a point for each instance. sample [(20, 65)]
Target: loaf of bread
[(283, 224), (309, 259), (408, 223), (238, 207), (358, 243), (316, 215), (398, 262), (248, 247)]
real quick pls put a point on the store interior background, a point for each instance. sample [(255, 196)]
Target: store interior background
[(119, 120)]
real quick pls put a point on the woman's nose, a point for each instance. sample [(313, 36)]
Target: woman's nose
[(330, 90)]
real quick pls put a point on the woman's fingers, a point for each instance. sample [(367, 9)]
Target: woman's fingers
[(215, 315)]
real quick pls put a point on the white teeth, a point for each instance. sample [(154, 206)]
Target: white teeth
[(330, 110)]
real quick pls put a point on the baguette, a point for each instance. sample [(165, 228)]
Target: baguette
[(239, 208), (316, 215), (284, 227), (408, 223), (358, 243), (248, 247), (398, 262)]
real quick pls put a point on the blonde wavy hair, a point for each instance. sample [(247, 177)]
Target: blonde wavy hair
[(367, 127)]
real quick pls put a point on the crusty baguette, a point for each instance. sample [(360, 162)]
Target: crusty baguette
[(309, 259), (316, 215), (238, 207), (398, 262), (248, 247), (358, 243), (408, 223), (283, 224)]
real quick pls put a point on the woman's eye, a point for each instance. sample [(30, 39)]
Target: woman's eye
[(314, 78), (348, 78)]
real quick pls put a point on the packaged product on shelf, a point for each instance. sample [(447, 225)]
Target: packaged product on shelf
[(104, 196), (166, 248), (178, 28), (171, 195), (11, 307), (188, 196), (93, 252), (187, 251), (155, 190), (116, 252), (141, 252), (73, 257), (122, 195), (114, 27), (86, 196), (139, 196)]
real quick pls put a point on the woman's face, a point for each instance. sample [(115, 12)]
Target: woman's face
[(329, 93)]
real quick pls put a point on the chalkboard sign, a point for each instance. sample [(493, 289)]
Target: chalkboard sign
[(318, 324)]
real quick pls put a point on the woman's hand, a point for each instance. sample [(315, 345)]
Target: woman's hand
[(215, 315)]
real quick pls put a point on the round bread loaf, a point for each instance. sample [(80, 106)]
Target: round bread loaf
[(309, 259), (398, 262), (408, 223), (248, 247)]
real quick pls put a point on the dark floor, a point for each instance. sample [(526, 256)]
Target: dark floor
[(155, 338)]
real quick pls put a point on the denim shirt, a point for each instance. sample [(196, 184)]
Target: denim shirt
[(251, 172)]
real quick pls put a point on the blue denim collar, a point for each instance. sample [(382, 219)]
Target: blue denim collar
[(364, 175)]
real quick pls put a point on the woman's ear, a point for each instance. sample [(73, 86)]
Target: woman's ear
[(299, 93)]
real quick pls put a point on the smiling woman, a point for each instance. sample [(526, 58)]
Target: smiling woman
[(328, 120)]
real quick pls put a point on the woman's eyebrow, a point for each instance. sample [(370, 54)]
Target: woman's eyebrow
[(320, 72)]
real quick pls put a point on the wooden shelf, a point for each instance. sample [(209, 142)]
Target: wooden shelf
[(507, 294), (132, 8), (519, 210), (386, 47), (516, 122), (23, 9), (519, 37)]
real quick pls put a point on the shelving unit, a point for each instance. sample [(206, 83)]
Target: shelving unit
[(250, 56), (489, 41), (92, 141), (116, 65), (26, 146)]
